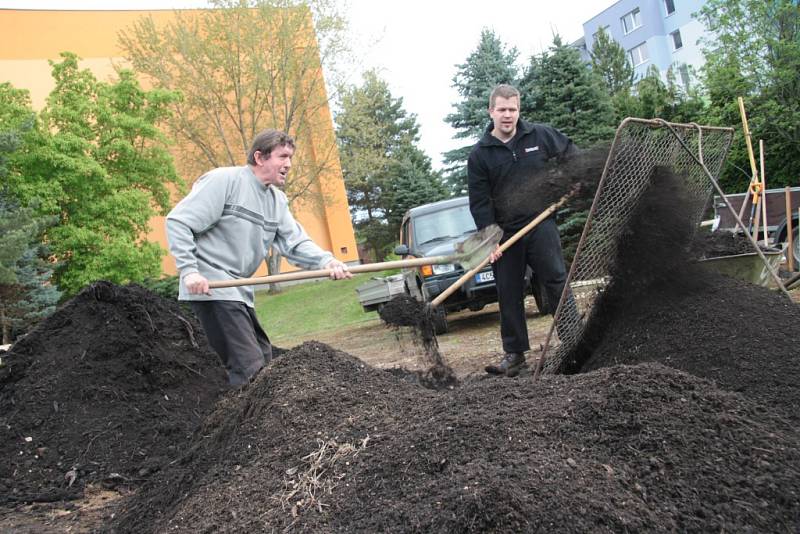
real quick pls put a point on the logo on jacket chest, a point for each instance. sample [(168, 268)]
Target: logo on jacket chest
[(532, 149)]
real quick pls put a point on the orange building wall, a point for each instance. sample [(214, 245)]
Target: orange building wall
[(32, 37)]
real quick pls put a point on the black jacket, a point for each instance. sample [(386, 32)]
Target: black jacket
[(498, 173)]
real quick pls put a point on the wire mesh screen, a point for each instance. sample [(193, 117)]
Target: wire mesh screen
[(639, 146)]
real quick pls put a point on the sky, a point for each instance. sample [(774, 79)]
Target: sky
[(416, 45)]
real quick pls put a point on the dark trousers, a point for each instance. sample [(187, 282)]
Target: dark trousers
[(234, 333), (541, 250)]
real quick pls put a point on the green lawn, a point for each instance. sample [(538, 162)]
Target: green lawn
[(315, 306)]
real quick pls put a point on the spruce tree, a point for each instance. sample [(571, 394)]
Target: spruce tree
[(413, 183), (491, 63), (668, 100), (559, 89), (612, 65), (384, 172), (26, 294)]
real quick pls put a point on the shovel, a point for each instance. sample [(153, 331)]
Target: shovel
[(511, 240), (469, 253)]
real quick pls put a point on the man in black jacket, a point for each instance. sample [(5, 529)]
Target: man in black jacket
[(500, 167)]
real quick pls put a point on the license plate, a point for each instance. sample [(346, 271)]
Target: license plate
[(486, 276)]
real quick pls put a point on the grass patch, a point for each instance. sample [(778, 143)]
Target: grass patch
[(302, 310)]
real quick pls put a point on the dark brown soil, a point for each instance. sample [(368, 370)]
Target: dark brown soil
[(106, 390), (743, 337), (323, 443), (662, 307), (404, 310), (714, 244)]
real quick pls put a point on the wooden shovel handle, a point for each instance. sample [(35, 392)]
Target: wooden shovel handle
[(324, 273)]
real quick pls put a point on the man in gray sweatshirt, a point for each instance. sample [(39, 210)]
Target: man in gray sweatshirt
[(223, 230)]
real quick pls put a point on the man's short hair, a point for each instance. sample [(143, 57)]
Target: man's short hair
[(266, 141), (503, 90)]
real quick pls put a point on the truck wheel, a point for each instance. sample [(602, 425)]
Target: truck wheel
[(795, 247), (439, 321)]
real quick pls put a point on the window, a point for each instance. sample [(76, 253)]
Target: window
[(677, 43), (404, 232), (639, 54), (669, 7), (631, 21), (441, 225), (685, 76)]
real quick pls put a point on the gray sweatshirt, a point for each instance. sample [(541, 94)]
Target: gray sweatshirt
[(225, 226)]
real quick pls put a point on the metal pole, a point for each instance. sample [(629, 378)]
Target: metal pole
[(763, 192), (789, 230)]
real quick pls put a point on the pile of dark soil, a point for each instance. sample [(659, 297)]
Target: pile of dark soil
[(714, 244), (743, 337), (108, 389), (662, 307), (323, 443)]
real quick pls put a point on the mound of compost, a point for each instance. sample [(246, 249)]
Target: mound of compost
[(107, 389), (742, 336), (323, 443), (662, 307), (715, 244)]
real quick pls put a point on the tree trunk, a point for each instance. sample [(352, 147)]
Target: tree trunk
[(5, 326), (376, 252), (273, 267)]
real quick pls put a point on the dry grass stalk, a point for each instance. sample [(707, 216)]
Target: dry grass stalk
[(302, 491)]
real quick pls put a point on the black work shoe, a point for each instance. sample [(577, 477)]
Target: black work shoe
[(509, 365)]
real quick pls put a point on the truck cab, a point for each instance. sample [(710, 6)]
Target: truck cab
[(434, 230)]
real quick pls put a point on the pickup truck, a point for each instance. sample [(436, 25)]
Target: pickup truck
[(777, 227), (433, 230)]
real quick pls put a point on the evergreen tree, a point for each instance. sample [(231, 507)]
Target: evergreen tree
[(754, 53), (666, 100), (414, 183), (653, 98), (611, 63), (26, 296), (489, 65), (559, 89), (382, 168)]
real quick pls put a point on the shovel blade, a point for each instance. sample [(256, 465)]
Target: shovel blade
[(477, 247)]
